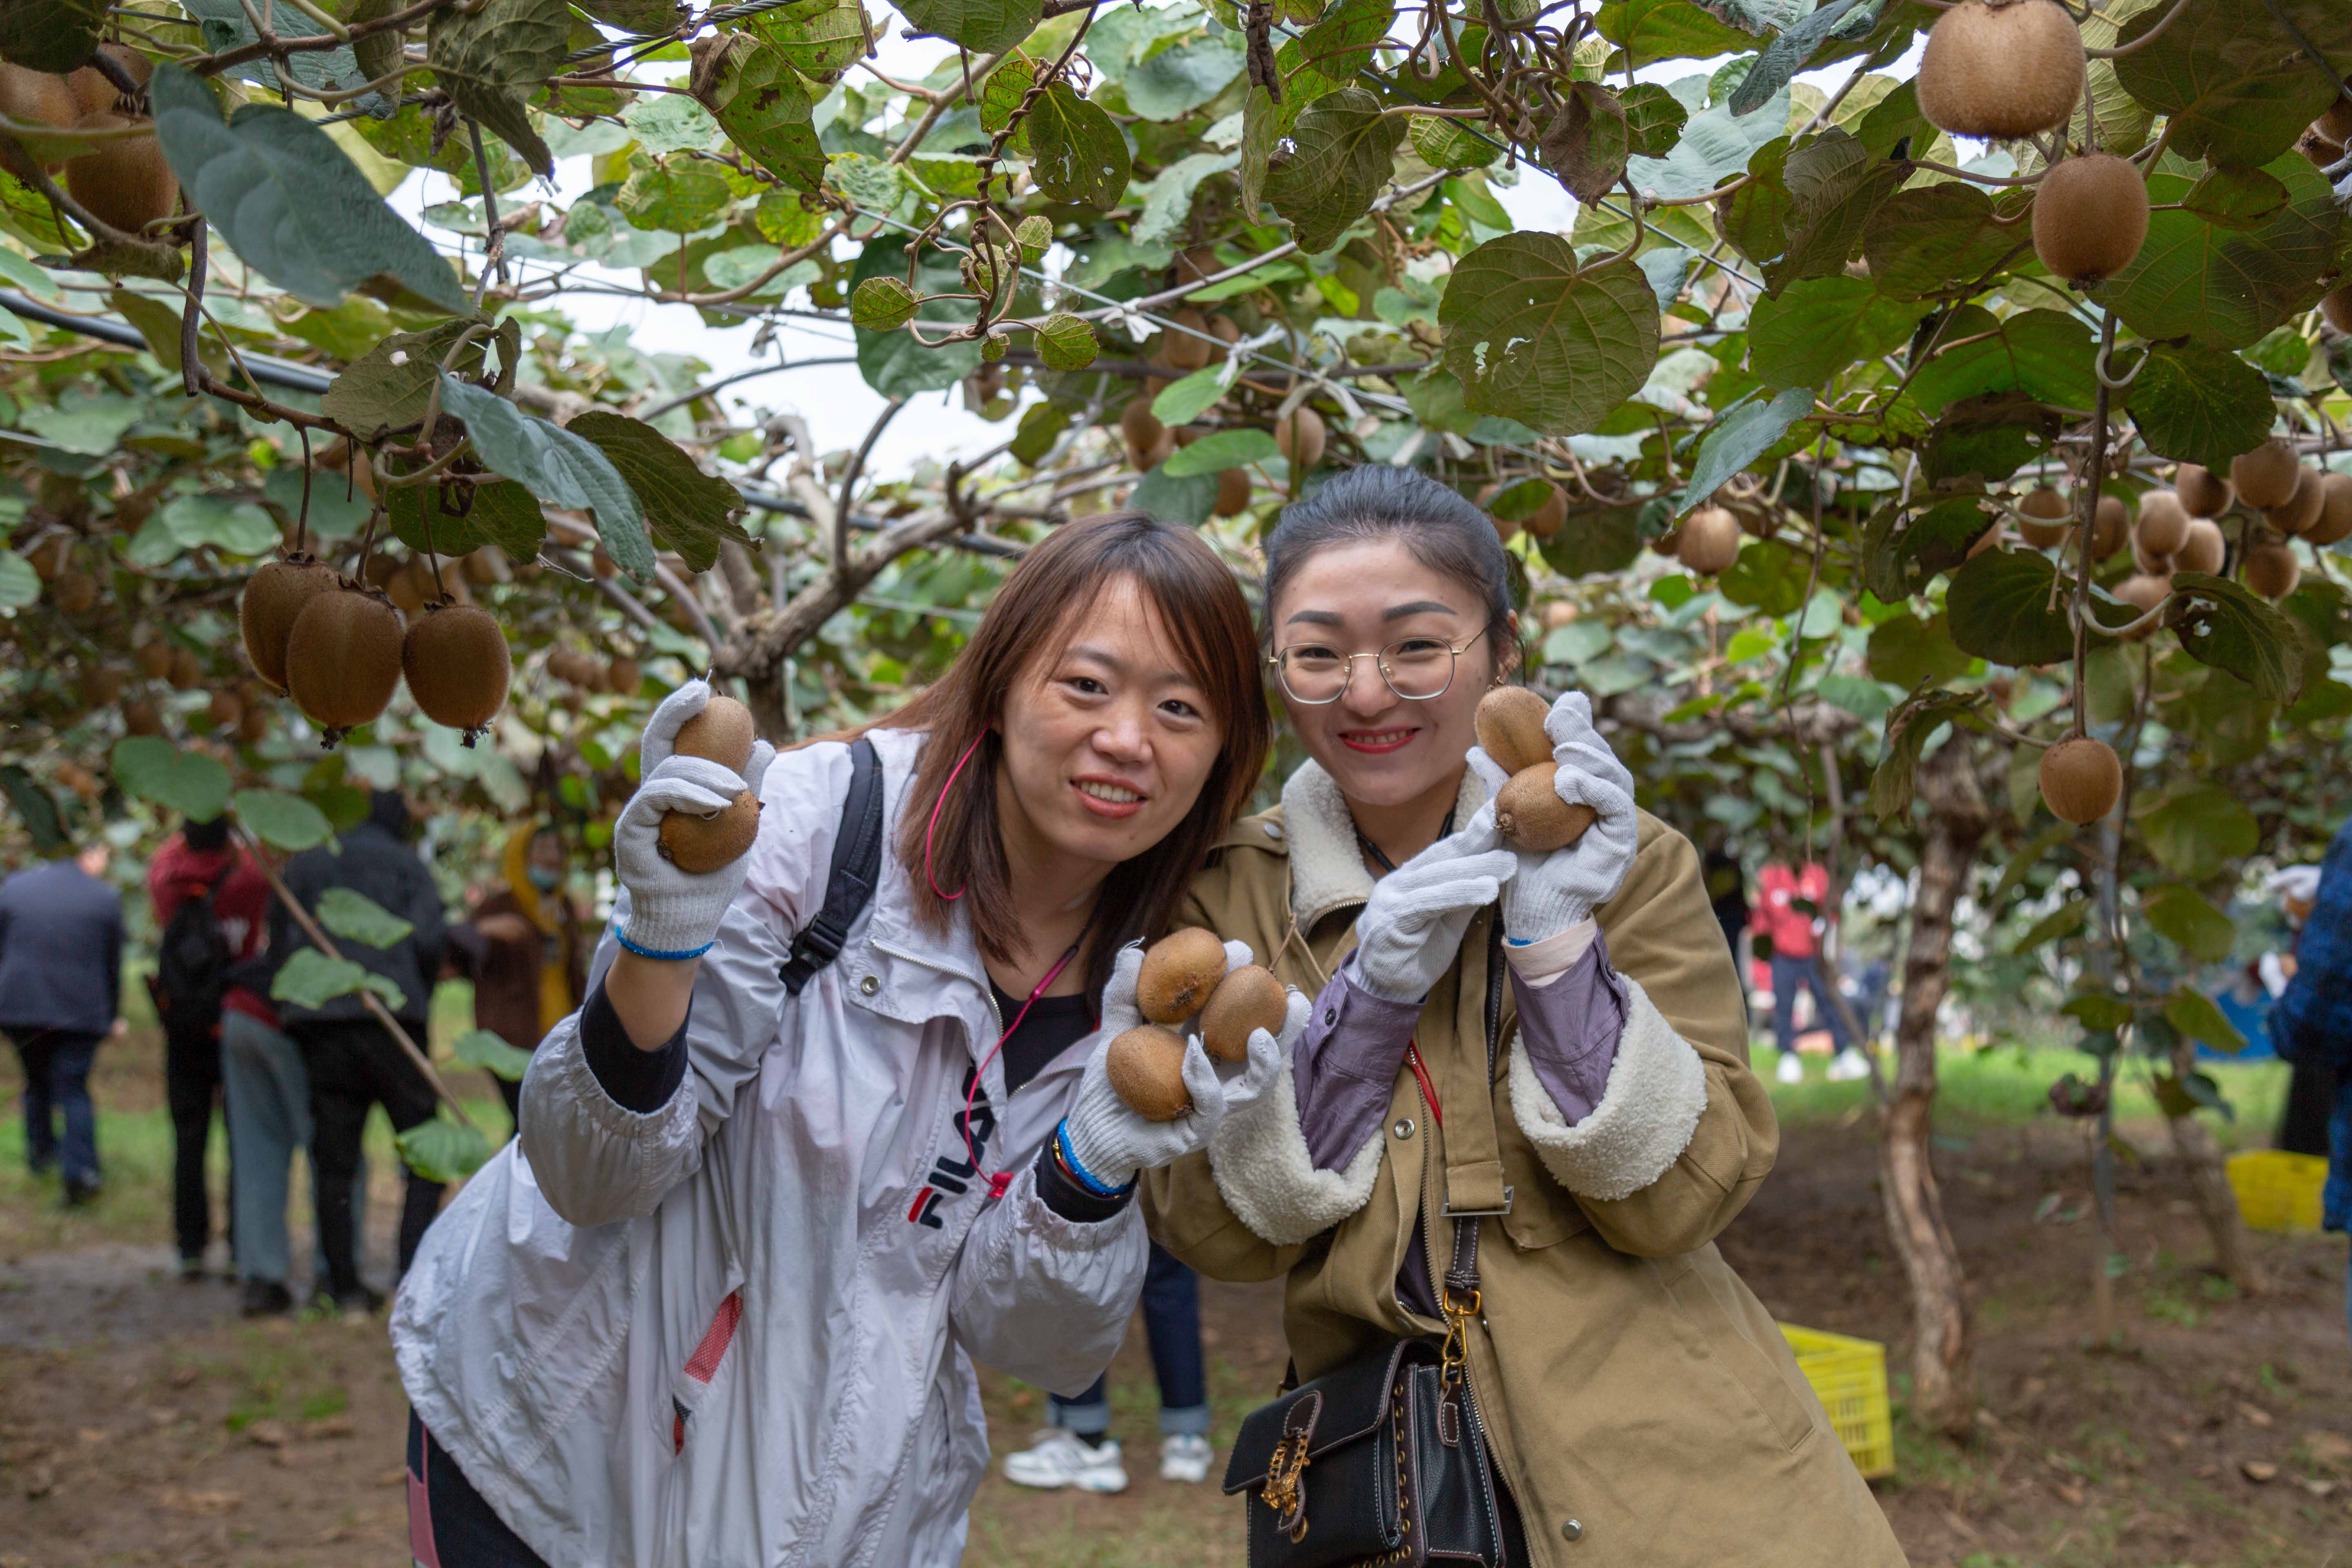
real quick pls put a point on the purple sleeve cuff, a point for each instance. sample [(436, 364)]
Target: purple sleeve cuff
[(1344, 1067), (1568, 1027)]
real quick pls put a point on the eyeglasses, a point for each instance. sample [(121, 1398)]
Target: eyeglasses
[(1416, 668)]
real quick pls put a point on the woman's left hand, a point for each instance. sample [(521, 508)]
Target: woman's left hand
[(1111, 1142), (1552, 892)]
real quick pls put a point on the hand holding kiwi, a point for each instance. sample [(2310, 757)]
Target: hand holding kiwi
[(1572, 854), (721, 732), (679, 847), (1528, 811), (1184, 976)]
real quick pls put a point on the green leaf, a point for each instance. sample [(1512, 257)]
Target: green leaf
[(677, 198), (1181, 402), (19, 584), (1183, 500), (822, 38), (2236, 86), (1655, 119), (1261, 129), (52, 36), (1341, 44), (1167, 205), (282, 196), (2224, 286), (685, 509), (190, 783), (1902, 554), (1714, 147), (508, 515), (2235, 197), (2061, 923), (227, 524), (1344, 152), (1042, 424), (894, 363), (882, 304), (1594, 539), (983, 26), (227, 25), (1835, 185), (1586, 144), (764, 107), (2229, 627), (1817, 328), (1654, 30), (2194, 1014), (1532, 338), (1225, 449), (2000, 609), (1988, 438), (1742, 434), (1908, 729), (2200, 930), (2090, 1009), (1078, 154), (2040, 844), (348, 914), (2046, 354), (1440, 143), (387, 388), (1175, 81), (1924, 241), (442, 1150), (1785, 55), (308, 978), (2196, 829), (2198, 405), (1066, 344), (480, 1048), (490, 58), (555, 465), (1912, 652), (284, 822), (1768, 577)]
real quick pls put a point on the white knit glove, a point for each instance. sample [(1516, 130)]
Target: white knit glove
[(674, 913), (1552, 892), (1412, 927), (1110, 1143)]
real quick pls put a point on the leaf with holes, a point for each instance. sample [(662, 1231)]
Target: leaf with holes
[(353, 916), (2230, 627), (822, 38), (151, 768), (556, 466), (1344, 150), (1655, 119), (489, 59), (2198, 404), (1066, 344), (1534, 339), (284, 822), (762, 104), (2225, 287), (1078, 154), (685, 510)]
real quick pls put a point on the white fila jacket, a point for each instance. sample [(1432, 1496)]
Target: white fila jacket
[(737, 1331)]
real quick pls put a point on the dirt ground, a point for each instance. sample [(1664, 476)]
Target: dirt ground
[(140, 1422)]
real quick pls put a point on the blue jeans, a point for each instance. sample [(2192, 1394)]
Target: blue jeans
[(268, 1092), (1172, 1322), (1788, 974), (56, 1083)]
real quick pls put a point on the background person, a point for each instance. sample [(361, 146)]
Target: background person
[(1795, 913), (2310, 1023), (60, 994), (522, 949)]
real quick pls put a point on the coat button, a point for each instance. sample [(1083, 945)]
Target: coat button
[(870, 985), (1403, 1128), (1330, 1016), (1272, 829), (1571, 1531)]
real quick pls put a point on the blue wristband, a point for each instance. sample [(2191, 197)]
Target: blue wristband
[(1085, 1177), (622, 938)]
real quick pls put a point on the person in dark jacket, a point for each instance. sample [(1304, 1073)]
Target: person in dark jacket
[(522, 950), (352, 1060), (2311, 1024), (60, 994)]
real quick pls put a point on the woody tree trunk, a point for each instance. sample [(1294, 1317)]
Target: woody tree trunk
[(2200, 1160), (1942, 1384)]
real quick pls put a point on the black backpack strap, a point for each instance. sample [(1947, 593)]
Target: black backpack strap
[(856, 868)]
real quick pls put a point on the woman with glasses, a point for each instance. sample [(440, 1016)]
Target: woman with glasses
[(1521, 1110)]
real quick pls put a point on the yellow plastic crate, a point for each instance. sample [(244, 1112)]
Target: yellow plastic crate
[(1850, 1377), (2278, 1191)]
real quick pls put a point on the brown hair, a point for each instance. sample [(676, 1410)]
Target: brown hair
[(1029, 619)]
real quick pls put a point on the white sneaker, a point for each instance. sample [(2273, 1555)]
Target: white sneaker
[(1791, 1068), (1848, 1065), (1059, 1459), (1184, 1457)]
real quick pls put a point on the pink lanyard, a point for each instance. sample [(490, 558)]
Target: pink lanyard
[(1000, 1180)]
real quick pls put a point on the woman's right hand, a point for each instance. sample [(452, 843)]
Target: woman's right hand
[(1412, 927), (674, 913)]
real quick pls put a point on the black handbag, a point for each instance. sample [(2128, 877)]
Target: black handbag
[(1382, 1461)]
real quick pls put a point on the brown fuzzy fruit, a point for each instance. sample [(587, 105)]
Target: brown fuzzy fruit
[(2202, 492), (2335, 511), (73, 591), (722, 733), (2002, 71), (406, 588), (36, 97), (2144, 592), (1140, 427), (153, 659), (125, 183), (1248, 999), (1144, 460), (1198, 263), (1549, 518), (2336, 124), (2300, 511), (2266, 476), (274, 595), (100, 684), (2047, 518), (140, 717), (1531, 817), (701, 844), (2089, 218), (1710, 540), (622, 676), (94, 91), (1181, 343), (2147, 561), (2082, 778), (1300, 439), (1227, 331), (1146, 1069), (1557, 613), (2337, 307), (456, 659), (1232, 492), (2204, 549), (1505, 528), (2270, 569), (253, 724), (2110, 526), (342, 659), (1178, 975), (225, 708), (187, 670), (1510, 725), (2163, 525)]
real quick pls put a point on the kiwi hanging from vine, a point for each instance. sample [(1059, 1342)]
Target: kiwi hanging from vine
[(456, 659), (2002, 68), (274, 595), (342, 659), (2089, 216)]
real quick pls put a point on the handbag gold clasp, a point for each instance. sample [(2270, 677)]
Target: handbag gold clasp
[(1283, 1493)]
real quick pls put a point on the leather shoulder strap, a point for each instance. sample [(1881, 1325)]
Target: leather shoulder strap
[(857, 869)]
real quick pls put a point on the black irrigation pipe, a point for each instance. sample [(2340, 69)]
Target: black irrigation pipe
[(264, 367)]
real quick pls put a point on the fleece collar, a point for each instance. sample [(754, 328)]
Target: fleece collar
[(1326, 867)]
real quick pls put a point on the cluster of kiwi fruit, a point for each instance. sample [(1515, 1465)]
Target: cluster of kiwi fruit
[(723, 733), (71, 590), (2297, 500), (340, 647), (1528, 811), (620, 675), (123, 182), (1184, 976)]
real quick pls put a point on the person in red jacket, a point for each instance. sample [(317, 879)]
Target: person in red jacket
[(1792, 912)]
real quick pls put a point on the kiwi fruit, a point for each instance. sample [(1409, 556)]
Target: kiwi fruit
[(2336, 124), (1300, 439), (1139, 424), (1558, 613), (1227, 331), (456, 659), (1549, 518), (2110, 523), (50, 556), (1710, 540), (253, 724), (406, 589), (2081, 778), (1246, 1001), (1198, 263), (2163, 525), (1510, 725), (2337, 307), (1146, 1069), (2266, 476), (2204, 549), (2335, 511), (722, 733), (2089, 218), (36, 98), (342, 659), (140, 717), (2047, 517), (125, 183), (2270, 569), (73, 591), (699, 844), (274, 595), (1144, 460), (2145, 559), (2201, 491), (2144, 590), (154, 656), (2002, 68), (1505, 528), (1232, 492), (93, 92), (1181, 344), (2301, 509), (1531, 817), (100, 684), (622, 676), (1178, 975), (1667, 544), (187, 670)]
